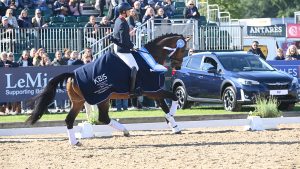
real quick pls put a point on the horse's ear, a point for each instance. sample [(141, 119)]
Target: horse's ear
[(188, 38)]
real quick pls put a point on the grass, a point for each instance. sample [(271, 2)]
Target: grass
[(199, 110), (127, 114)]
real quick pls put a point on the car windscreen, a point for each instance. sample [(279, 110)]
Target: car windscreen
[(239, 63)]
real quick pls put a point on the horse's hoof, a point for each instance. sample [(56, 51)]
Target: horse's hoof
[(177, 132), (126, 134), (78, 144)]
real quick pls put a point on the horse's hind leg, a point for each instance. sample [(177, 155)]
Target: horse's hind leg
[(77, 104), (104, 117)]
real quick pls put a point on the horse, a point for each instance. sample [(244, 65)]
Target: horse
[(170, 46)]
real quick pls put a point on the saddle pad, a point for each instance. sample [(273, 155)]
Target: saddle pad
[(108, 74)]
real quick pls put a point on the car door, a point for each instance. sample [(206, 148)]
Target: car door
[(211, 82), (193, 73)]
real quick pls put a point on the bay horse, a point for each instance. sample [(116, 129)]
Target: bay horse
[(169, 45)]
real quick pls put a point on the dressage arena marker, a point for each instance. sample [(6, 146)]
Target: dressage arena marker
[(104, 130)]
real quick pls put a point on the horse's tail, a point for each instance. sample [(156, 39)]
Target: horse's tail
[(44, 99)]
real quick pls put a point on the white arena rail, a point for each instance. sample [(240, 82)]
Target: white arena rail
[(250, 123)]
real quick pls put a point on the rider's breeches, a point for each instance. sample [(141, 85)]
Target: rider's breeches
[(127, 58)]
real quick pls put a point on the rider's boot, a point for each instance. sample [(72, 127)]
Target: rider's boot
[(134, 92)]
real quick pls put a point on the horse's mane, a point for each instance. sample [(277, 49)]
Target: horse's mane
[(156, 40)]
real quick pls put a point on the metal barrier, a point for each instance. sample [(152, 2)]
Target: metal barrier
[(221, 38), (57, 39), (51, 39)]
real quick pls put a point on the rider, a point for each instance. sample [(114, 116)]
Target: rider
[(123, 45)]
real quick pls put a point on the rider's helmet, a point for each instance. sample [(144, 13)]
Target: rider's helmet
[(124, 6)]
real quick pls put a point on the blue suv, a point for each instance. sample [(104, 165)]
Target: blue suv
[(231, 78)]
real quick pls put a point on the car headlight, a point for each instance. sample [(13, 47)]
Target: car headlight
[(247, 82)]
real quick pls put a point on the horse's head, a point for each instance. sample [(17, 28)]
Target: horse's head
[(169, 45)]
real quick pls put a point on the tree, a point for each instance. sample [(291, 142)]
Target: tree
[(258, 8)]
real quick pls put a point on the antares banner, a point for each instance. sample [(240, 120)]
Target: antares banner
[(22, 83), (272, 30)]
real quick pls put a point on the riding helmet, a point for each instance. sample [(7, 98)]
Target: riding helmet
[(124, 6)]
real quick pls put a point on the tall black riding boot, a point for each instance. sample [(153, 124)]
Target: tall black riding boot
[(134, 92)]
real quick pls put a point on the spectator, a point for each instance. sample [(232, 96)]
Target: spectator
[(4, 62), (45, 61), (191, 11), (32, 53), (88, 51), (7, 35), (91, 30), (26, 4), (139, 12), (38, 57), (122, 103), (13, 4), (132, 19), (74, 59), (12, 59), (292, 53), (280, 55), (113, 9), (41, 5), (76, 7), (11, 19), (153, 4), (3, 7), (161, 17), (5, 24), (58, 60), (60, 8), (148, 14), (86, 58), (23, 20), (100, 4), (105, 22), (67, 53), (38, 21), (169, 8), (256, 50), (24, 60)]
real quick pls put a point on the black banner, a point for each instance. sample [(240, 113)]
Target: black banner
[(273, 30), (22, 83)]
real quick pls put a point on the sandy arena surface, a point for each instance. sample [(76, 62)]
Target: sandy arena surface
[(196, 148)]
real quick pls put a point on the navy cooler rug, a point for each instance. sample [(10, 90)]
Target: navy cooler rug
[(107, 74)]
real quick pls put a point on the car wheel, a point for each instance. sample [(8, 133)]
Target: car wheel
[(182, 98), (286, 106), (229, 100)]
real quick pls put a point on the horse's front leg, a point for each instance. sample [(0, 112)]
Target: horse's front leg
[(169, 116), (160, 97)]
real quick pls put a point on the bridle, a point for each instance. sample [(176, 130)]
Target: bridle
[(179, 44)]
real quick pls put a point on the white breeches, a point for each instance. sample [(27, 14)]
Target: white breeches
[(127, 58)]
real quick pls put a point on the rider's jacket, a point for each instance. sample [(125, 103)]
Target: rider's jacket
[(121, 35)]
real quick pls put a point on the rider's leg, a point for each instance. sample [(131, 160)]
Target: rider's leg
[(131, 63)]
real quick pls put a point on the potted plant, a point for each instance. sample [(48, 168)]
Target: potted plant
[(266, 109)]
